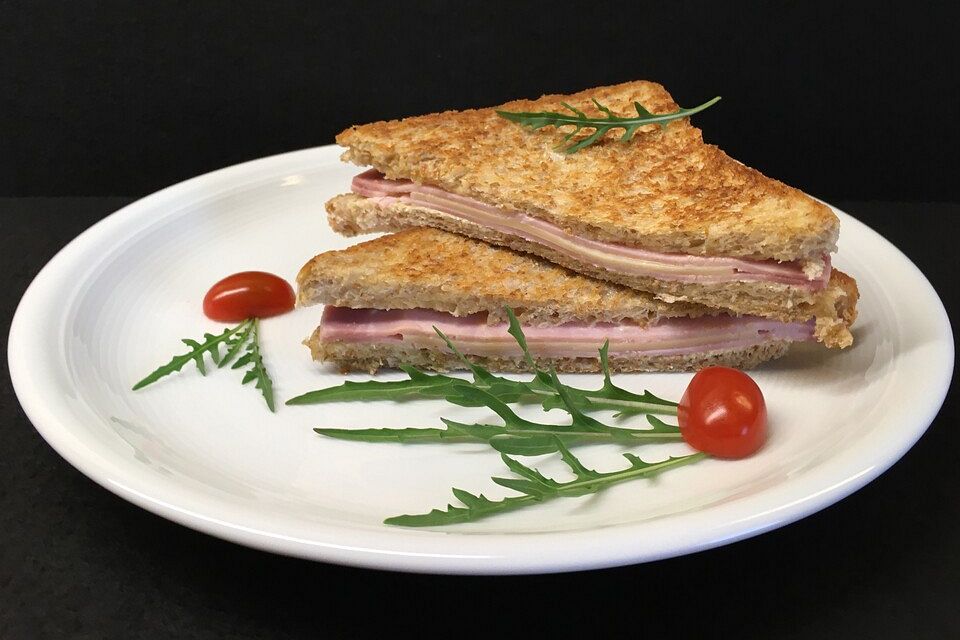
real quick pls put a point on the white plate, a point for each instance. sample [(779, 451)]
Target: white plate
[(205, 452)]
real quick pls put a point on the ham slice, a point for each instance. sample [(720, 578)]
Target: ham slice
[(472, 335), (608, 255)]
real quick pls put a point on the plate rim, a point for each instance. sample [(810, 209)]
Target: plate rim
[(57, 433)]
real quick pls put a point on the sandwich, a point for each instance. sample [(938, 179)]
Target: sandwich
[(385, 297), (663, 213)]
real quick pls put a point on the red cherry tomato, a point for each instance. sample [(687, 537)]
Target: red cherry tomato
[(248, 294), (722, 412)]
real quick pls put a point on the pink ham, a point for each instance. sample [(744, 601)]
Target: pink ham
[(472, 334), (372, 184), (608, 255)]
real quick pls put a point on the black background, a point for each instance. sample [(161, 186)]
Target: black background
[(845, 100), (852, 102)]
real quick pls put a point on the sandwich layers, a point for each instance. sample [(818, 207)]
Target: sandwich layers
[(664, 213), (374, 338), (473, 335), (618, 258), (385, 296), (351, 214)]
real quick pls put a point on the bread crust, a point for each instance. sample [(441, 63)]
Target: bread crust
[(372, 357), (428, 268), (664, 190)]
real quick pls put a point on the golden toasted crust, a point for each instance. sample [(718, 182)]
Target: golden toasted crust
[(664, 190), (371, 357), (836, 311), (429, 268)]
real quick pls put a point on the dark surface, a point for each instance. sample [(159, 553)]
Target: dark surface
[(78, 562), (841, 99)]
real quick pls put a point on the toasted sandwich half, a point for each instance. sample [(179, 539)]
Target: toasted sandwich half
[(664, 213), (384, 297)]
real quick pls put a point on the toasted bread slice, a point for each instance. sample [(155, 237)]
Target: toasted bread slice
[(350, 215), (664, 191), (433, 269)]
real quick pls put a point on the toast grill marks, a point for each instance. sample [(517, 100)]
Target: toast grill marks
[(613, 257), (414, 328)]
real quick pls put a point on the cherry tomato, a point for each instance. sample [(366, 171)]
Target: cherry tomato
[(722, 412), (248, 294)]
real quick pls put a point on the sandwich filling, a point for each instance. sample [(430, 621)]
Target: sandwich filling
[(607, 255), (474, 336)]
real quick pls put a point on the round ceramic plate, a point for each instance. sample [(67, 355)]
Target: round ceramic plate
[(205, 452)]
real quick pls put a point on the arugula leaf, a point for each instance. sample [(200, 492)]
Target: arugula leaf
[(479, 373), (455, 432), (541, 388), (541, 382), (659, 426), (423, 385), (534, 487), (418, 385), (257, 370), (610, 396), (232, 338), (517, 436), (234, 345), (579, 121)]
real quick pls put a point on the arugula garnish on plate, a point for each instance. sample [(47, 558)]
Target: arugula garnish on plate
[(541, 389), (517, 436), (242, 337), (534, 487)]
